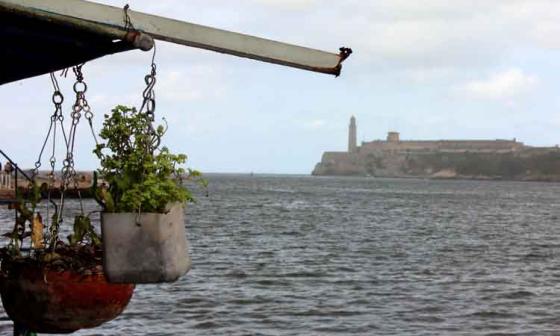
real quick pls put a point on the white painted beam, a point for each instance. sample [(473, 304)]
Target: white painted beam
[(110, 20)]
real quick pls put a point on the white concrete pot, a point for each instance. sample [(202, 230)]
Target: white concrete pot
[(145, 247)]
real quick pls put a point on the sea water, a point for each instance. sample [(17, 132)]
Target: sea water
[(288, 255)]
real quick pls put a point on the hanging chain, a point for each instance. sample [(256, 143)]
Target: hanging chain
[(149, 104), (56, 119), (149, 95), (79, 109), (148, 108), (80, 106)]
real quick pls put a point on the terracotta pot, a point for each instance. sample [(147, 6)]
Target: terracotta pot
[(47, 301)]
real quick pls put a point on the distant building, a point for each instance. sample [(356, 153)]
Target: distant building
[(394, 157), (394, 143), (352, 135), (393, 137)]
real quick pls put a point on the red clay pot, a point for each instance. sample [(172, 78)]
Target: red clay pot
[(46, 301)]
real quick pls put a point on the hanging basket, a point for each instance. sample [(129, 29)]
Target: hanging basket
[(50, 301), (145, 247)]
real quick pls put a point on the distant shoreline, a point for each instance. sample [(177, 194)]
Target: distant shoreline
[(88, 176)]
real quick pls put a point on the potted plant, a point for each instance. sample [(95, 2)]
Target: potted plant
[(143, 197), (41, 288)]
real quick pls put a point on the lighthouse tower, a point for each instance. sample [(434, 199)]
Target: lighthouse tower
[(352, 135)]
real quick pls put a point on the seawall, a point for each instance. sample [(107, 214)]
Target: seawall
[(526, 164)]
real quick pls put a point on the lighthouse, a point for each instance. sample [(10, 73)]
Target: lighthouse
[(352, 135)]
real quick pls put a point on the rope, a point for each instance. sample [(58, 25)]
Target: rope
[(126, 18)]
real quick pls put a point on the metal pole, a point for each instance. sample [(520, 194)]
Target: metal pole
[(16, 180), (15, 165), (108, 20), (16, 191)]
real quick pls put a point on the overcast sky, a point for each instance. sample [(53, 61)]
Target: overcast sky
[(434, 69)]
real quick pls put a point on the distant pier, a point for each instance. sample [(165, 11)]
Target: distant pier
[(82, 188)]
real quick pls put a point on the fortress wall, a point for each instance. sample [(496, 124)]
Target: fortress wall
[(443, 158), (443, 145), (330, 157), (339, 163), (544, 149), (531, 151), (480, 144)]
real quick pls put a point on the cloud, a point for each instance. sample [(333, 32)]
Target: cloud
[(505, 85), (288, 4), (407, 56), (410, 35), (315, 124), (193, 83), (534, 21), (429, 34)]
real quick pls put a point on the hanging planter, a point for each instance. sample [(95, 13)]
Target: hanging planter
[(163, 254), (143, 197), (142, 225), (56, 286), (53, 297)]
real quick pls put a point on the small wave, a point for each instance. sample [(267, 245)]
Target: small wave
[(425, 319), (517, 295), (492, 314), (291, 233), (206, 325), (244, 301), (238, 274), (303, 274), (279, 190), (323, 313), (534, 256), (272, 282)]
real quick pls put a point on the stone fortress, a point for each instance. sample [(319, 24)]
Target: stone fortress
[(480, 159)]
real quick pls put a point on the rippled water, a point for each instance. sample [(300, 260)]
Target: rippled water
[(276, 255)]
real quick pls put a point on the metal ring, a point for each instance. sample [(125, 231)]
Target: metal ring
[(76, 87), (57, 98)]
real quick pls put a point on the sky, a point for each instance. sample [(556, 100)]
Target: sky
[(435, 69)]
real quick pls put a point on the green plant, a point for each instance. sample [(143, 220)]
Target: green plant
[(83, 229), (139, 175)]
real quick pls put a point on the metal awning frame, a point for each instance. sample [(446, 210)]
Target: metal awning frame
[(108, 23)]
